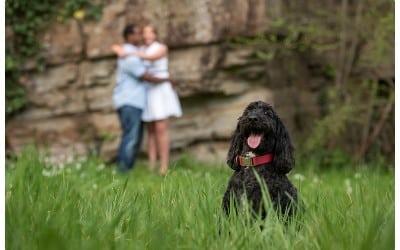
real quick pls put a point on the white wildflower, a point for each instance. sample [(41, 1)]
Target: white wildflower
[(9, 191), (82, 159), (11, 165), (299, 177), (50, 172), (357, 175), (78, 166), (316, 179), (70, 159), (101, 167), (349, 189), (47, 159), (47, 173), (95, 186)]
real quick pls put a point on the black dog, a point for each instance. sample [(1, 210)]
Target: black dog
[(261, 144)]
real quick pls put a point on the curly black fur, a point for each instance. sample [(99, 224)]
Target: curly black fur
[(259, 118)]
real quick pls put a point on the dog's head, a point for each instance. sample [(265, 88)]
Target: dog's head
[(260, 131)]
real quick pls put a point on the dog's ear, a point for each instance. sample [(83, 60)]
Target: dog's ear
[(284, 150), (235, 149)]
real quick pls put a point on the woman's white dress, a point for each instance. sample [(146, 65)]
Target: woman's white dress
[(162, 100)]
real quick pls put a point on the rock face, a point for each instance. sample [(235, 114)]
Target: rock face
[(71, 110)]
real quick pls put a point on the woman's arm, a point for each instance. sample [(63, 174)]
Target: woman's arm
[(119, 50), (161, 52)]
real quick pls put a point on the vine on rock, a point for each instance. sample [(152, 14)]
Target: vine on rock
[(24, 20)]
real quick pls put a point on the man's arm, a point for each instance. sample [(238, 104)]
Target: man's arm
[(135, 67)]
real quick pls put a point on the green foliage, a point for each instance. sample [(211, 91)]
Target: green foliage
[(330, 72), (24, 20), (347, 43), (85, 205), (15, 95), (107, 136), (350, 122), (381, 20), (358, 116)]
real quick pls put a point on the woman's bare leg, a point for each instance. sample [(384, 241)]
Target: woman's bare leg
[(162, 136), (151, 145)]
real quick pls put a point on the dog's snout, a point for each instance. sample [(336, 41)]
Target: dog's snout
[(253, 118)]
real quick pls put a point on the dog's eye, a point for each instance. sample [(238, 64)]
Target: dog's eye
[(265, 113)]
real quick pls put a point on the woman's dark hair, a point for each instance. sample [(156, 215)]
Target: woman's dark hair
[(129, 29)]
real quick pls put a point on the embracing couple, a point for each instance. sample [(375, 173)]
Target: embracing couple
[(143, 93)]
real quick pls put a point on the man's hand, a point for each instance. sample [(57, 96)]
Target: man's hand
[(117, 49), (152, 79), (172, 81)]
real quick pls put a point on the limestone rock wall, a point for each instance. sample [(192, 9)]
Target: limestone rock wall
[(71, 108)]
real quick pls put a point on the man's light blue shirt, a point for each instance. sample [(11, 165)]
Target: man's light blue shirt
[(129, 89)]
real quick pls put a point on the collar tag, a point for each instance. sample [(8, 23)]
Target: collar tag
[(246, 161)]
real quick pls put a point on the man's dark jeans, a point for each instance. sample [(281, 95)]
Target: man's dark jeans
[(132, 132)]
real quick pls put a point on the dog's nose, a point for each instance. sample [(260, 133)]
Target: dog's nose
[(253, 118)]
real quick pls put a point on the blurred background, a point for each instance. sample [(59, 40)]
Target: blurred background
[(326, 66)]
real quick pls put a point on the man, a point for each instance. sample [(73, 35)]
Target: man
[(129, 98)]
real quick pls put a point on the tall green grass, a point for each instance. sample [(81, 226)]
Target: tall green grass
[(86, 205)]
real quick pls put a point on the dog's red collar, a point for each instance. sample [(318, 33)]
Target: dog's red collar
[(254, 161)]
